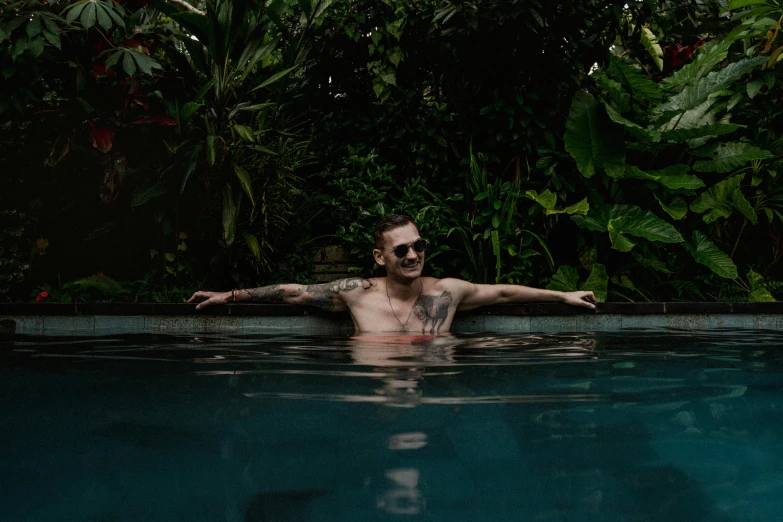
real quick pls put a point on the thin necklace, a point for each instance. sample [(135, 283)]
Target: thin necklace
[(405, 324)]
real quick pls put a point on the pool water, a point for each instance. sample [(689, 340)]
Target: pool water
[(632, 427)]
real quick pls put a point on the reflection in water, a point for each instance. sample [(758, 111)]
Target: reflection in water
[(402, 497)]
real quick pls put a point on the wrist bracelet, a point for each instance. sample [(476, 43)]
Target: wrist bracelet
[(234, 294)]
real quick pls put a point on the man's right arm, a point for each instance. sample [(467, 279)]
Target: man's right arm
[(326, 296)]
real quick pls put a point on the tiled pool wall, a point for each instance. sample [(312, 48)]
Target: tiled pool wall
[(89, 319)]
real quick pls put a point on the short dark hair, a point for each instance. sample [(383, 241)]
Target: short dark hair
[(390, 222)]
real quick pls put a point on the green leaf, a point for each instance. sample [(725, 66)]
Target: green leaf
[(189, 109), (705, 59), (128, 64), (564, 280), (33, 27), (244, 181), (754, 87), (146, 64), (213, 143), (88, 15), (597, 282), (547, 199), (726, 157), (230, 213), (653, 48), (758, 289), (103, 17), (395, 55), (641, 87), (145, 193), (275, 77), (53, 39), (591, 139), (633, 129), (739, 4), (683, 134), (36, 46), (706, 253), (673, 177), (621, 220), (252, 243), (698, 92), (245, 132), (191, 168), (170, 257), (718, 199), (74, 12), (677, 209)]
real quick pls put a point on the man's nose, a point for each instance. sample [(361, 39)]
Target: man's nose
[(412, 254)]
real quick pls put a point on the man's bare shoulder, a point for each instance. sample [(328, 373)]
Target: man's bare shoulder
[(448, 283)]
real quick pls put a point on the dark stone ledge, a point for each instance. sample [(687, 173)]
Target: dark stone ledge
[(272, 310)]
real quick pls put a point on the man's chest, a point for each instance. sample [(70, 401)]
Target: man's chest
[(429, 313)]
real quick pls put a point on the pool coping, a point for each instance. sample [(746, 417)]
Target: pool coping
[(93, 319)]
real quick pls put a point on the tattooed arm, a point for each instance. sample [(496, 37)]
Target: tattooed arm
[(328, 296), (472, 296)]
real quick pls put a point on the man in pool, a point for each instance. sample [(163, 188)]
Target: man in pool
[(403, 302)]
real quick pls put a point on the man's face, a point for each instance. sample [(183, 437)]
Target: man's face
[(407, 268)]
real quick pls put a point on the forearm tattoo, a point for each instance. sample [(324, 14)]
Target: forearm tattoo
[(432, 310), (323, 296), (265, 294)]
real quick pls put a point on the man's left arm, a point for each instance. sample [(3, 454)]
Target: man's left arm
[(473, 296)]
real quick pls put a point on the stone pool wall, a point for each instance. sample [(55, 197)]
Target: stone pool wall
[(89, 319)]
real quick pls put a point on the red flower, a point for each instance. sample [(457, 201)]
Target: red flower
[(675, 57), (100, 274), (102, 137), (99, 70), (43, 295)]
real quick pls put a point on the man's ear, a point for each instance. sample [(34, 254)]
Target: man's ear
[(378, 256)]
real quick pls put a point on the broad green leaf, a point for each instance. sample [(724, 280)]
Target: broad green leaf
[(230, 213), (706, 253), (33, 27), (619, 98), (591, 139), (641, 87), (651, 262), (717, 199), (146, 64), (583, 207), (696, 93), (245, 132), (245, 182), (564, 280), (53, 39), (74, 12), (103, 17), (681, 135), (758, 289), (622, 220), (87, 17), (633, 129), (548, 200), (739, 4), (36, 46), (674, 177), (213, 142), (128, 65), (146, 193), (252, 243), (726, 157), (395, 55), (677, 208), (272, 79), (653, 48), (191, 168), (597, 282), (753, 88), (113, 58), (706, 58), (189, 109)]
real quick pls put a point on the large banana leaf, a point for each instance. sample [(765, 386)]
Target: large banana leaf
[(628, 220), (707, 58), (696, 93), (721, 199), (591, 139), (634, 129), (565, 279), (548, 200), (641, 87), (706, 253), (725, 157), (675, 177)]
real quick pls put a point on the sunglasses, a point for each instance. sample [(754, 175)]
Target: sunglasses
[(420, 245)]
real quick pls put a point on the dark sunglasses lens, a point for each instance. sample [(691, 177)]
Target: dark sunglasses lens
[(401, 251), (420, 245)]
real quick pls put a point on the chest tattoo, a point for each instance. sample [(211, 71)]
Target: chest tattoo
[(432, 311)]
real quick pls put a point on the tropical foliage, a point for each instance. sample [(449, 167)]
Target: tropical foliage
[(627, 148)]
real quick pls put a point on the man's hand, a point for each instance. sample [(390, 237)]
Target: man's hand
[(586, 299), (209, 298)]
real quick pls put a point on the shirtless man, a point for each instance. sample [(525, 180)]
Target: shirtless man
[(403, 301)]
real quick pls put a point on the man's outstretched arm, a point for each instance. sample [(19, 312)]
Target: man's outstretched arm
[(328, 296), (473, 296)]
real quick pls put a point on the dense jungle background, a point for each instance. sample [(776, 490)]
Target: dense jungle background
[(152, 148)]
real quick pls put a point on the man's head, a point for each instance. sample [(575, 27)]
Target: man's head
[(394, 235)]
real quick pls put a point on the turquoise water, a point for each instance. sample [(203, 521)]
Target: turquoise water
[(631, 427)]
